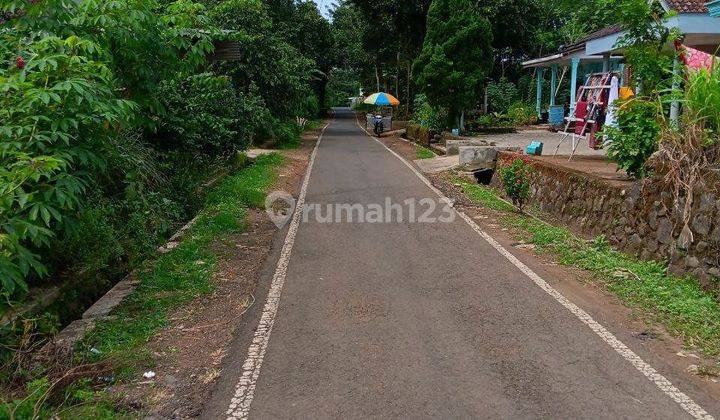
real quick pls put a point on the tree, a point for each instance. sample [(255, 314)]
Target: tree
[(455, 57), (269, 64)]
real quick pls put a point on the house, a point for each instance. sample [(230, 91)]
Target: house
[(697, 21)]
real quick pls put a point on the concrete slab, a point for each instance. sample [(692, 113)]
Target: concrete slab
[(254, 153), (472, 158), (438, 164), (451, 146), (550, 141)]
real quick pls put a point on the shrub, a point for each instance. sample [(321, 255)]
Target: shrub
[(635, 138), (428, 116), (702, 99), (286, 135), (363, 107), (411, 131), (202, 115), (311, 107), (516, 181), (522, 113)]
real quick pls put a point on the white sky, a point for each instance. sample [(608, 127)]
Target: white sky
[(323, 7)]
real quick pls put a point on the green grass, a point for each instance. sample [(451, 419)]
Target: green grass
[(184, 272), (423, 152), (166, 282), (678, 303)]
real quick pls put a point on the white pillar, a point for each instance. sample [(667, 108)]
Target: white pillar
[(606, 63)]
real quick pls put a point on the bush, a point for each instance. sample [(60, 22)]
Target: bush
[(202, 115), (635, 138), (702, 99), (418, 133), (311, 107), (516, 181), (286, 135), (428, 116), (363, 107), (501, 95), (522, 113)]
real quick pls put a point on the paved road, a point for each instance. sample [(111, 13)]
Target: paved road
[(419, 320)]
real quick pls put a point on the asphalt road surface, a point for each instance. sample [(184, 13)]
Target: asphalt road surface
[(420, 320)]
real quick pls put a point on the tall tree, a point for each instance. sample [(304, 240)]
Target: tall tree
[(456, 55)]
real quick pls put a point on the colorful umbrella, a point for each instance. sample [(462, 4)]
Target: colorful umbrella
[(381, 98)]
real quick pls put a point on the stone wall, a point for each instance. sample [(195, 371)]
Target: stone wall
[(637, 217)]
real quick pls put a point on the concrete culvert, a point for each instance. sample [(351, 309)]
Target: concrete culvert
[(484, 176)]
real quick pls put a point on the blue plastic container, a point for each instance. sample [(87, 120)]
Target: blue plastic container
[(534, 148), (556, 114)]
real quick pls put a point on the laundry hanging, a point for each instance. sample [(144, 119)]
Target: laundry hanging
[(614, 94)]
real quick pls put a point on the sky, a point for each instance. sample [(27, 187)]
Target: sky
[(323, 7)]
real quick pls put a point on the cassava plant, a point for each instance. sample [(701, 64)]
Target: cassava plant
[(57, 106)]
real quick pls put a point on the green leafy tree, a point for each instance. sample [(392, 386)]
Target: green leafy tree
[(268, 63), (456, 54)]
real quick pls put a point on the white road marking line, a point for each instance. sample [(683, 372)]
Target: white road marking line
[(650, 373), (245, 389)]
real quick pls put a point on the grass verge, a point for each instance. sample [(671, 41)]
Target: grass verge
[(678, 303), (115, 350), (423, 152)]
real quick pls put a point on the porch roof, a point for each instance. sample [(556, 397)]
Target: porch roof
[(561, 59)]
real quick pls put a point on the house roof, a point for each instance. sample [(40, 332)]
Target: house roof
[(580, 44), (686, 6)]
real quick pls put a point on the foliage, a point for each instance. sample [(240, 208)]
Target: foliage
[(691, 144), (311, 107), (418, 133), (286, 135), (702, 100), (202, 115), (455, 57), (522, 113), (77, 76), (347, 32), (343, 83), (643, 42), (171, 279), (224, 213), (269, 64), (501, 95), (635, 138), (428, 116), (481, 122), (57, 112), (516, 179), (423, 152)]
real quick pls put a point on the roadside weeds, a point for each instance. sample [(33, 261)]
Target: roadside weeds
[(423, 152)]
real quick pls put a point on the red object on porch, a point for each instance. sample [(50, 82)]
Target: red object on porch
[(580, 113)]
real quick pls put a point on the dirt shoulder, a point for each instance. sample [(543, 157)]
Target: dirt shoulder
[(188, 353)]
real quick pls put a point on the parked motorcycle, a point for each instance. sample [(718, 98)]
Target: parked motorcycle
[(378, 125)]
